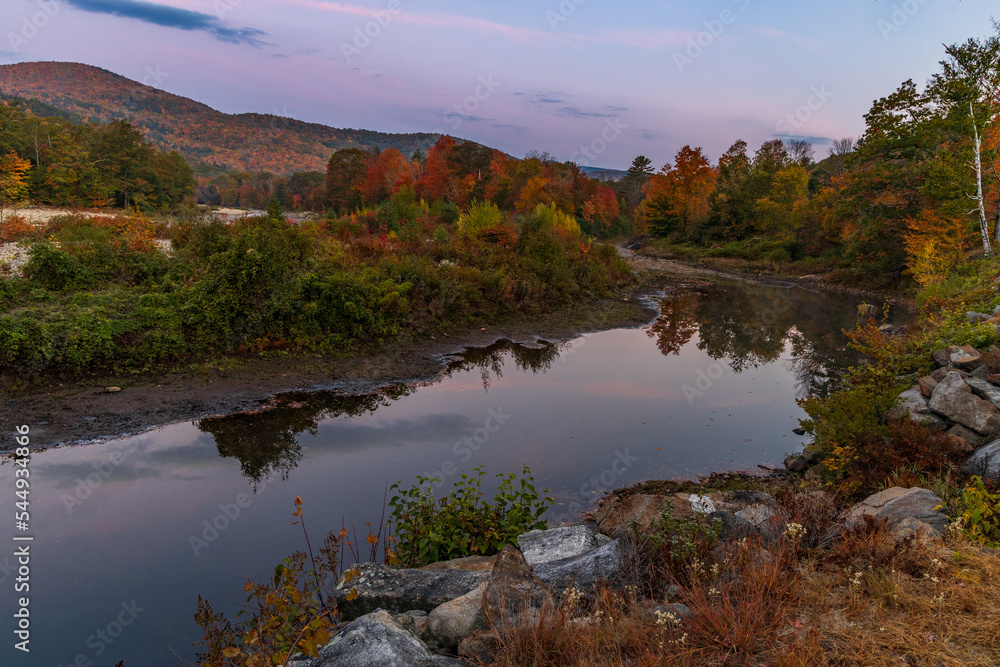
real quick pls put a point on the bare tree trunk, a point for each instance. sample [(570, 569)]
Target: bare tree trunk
[(984, 225)]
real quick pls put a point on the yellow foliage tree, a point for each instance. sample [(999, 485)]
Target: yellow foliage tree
[(936, 244), (13, 188)]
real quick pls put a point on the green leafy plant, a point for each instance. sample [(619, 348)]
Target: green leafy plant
[(981, 514), (462, 523)]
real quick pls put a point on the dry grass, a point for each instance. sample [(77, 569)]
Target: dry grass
[(868, 600)]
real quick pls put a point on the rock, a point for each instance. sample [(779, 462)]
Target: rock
[(701, 504), (734, 501), (965, 357), (453, 621), (734, 527), (796, 463), (941, 373), (927, 385), (513, 592), (615, 516), (985, 462), (912, 403), (799, 431), (974, 317), (993, 377), (582, 571), (469, 563), (759, 515), (375, 640), (480, 647), (979, 373), (112, 390), (968, 436), (898, 504), (543, 546), (996, 311), (954, 399), (985, 390), (382, 587)]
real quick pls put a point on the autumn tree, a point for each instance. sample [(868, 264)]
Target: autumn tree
[(13, 185), (677, 198), (345, 174)]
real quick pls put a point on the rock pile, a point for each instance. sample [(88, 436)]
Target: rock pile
[(428, 616)]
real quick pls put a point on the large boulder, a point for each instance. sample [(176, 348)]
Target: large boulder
[(453, 621), (985, 462), (514, 593), (905, 510), (375, 640), (583, 571), (383, 587), (954, 399), (543, 546)]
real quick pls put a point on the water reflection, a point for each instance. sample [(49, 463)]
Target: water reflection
[(746, 327), (751, 328), (266, 442), (490, 360)]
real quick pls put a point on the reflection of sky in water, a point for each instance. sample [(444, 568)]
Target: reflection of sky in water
[(609, 411)]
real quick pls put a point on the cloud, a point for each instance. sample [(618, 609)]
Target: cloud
[(171, 17), (580, 113), (655, 39), (789, 38)]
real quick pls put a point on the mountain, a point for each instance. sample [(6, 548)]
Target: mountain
[(602, 174), (210, 139)]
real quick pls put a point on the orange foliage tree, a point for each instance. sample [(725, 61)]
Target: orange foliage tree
[(677, 198)]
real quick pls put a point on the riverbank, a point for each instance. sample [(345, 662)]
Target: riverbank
[(85, 411), (656, 255)]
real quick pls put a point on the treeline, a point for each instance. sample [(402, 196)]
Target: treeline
[(93, 165), (918, 192)]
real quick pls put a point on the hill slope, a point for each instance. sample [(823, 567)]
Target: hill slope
[(252, 142)]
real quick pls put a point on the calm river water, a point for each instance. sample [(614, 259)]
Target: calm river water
[(710, 386)]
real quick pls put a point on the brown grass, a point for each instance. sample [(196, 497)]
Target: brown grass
[(868, 600)]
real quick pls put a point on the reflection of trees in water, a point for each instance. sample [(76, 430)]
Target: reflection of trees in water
[(490, 360), (677, 323), (266, 442), (751, 325)]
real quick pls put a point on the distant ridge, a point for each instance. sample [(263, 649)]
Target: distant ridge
[(602, 174), (208, 138)]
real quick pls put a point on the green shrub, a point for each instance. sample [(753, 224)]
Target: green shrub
[(55, 269), (981, 514), (480, 216), (428, 530)]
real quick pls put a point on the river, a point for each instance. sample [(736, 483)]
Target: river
[(127, 533)]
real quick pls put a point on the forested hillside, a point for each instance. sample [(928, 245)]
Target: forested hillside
[(242, 142)]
